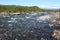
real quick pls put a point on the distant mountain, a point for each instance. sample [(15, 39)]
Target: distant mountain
[(51, 9)]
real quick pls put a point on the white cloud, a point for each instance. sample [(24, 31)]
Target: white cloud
[(53, 6)]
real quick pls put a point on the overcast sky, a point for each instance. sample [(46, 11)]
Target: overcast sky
[(49, 4)]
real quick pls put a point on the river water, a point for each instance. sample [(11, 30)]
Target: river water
[(29, 23), (26, 20)]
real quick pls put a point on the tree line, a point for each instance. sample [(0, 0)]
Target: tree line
[(14, 8)]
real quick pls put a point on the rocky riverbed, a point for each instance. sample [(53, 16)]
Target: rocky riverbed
[(34, 26)]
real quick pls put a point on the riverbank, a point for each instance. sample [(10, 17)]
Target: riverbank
[(17, 13)]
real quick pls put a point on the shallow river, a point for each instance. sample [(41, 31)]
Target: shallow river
[(28, 26), (26, 20)]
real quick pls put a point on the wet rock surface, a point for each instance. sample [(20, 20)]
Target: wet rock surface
[(29, 27)]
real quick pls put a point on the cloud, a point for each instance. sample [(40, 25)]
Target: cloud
[(53, 6)]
